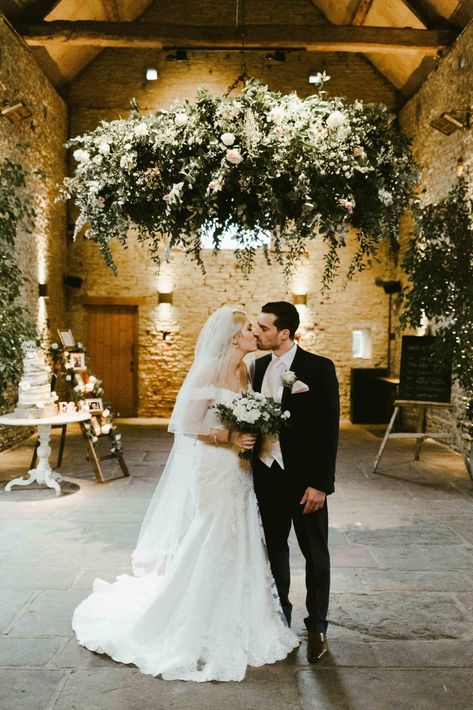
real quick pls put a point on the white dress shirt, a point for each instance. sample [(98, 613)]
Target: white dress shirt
[(270, 448)]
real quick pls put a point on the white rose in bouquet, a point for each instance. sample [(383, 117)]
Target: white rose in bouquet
[(82, 156), (181, 119)]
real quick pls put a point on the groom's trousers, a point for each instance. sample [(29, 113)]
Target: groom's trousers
[(279, 507)]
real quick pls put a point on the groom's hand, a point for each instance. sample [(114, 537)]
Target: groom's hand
[(312, 500)]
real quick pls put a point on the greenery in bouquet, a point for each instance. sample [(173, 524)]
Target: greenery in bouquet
[(266, 167), (16, 325), (252, 413)]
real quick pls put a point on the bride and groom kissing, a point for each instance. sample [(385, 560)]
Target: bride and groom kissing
[(209, 594)]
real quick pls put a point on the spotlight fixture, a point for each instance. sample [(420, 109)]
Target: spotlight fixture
[(278, 56), (165, 297), (451, 121), (389, 286), (151, 74), (299, 299), (16, 112), (42, 290), (73, 281)]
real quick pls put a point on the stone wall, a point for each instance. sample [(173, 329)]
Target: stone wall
[(42, 254), (103, 91), (449, 88)]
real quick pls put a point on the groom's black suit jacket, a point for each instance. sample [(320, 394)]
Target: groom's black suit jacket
[(309, 442)]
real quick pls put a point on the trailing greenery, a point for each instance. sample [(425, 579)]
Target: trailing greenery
[(265, 167), (15, 323), (439, 264)]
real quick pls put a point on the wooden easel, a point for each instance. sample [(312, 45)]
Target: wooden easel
[(91, 456), (421, 434)]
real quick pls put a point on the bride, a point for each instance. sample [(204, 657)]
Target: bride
[(201, 604)]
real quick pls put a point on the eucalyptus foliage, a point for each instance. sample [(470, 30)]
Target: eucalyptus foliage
[(15, 323), (439, 263), (260, 163)]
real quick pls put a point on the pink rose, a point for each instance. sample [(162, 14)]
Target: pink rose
[(234, 156)]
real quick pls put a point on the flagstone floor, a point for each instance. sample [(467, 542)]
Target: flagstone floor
[(401, 633)]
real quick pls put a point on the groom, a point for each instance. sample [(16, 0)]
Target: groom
[(295, 472)]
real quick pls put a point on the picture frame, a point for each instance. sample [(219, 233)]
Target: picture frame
[(95, 405), (66, 338), (77, 361)]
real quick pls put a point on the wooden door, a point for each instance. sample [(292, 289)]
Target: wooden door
[(112, 351)]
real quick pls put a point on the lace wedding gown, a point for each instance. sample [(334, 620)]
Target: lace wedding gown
[(212, 609)]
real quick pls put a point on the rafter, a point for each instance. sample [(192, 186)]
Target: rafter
[(428, 15), (361, 11), (317, 38), (33, 11)]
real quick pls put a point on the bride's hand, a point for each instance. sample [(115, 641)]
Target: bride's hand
[(243, 440)]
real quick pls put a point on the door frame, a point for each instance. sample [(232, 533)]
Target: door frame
[(130, 302)]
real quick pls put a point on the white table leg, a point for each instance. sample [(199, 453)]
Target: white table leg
[(43, 473)]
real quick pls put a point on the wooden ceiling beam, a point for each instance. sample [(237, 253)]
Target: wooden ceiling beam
[(316, 38), (428, 15), (361, 12), (32, 11)]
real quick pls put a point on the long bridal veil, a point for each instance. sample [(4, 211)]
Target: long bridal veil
[(170, 512)]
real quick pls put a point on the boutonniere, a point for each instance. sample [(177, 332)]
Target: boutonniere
[(289, 380)]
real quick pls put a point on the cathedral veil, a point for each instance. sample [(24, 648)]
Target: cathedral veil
[(170, 511)]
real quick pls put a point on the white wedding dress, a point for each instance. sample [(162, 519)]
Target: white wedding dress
[(206, 607)]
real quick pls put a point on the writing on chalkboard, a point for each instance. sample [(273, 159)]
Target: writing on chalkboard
[(423, 378)]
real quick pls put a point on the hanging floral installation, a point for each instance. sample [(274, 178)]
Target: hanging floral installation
[(260, 164), (439, 264)]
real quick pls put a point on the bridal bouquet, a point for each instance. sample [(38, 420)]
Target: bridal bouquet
[(252, 413)]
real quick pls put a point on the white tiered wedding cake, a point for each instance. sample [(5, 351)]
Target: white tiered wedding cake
[(35, 398)]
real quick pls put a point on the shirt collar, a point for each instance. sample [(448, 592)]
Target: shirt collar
[(288, 357)]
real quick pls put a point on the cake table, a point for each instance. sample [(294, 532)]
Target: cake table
[(43, 473)]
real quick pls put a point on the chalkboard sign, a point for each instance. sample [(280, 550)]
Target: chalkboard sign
[(423, 378)]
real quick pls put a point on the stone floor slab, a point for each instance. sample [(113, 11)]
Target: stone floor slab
[(128, 689), (376, 689), (22, 689), (27, 652)]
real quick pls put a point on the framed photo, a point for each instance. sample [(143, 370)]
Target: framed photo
[(66, 338), (77, 361), (95, 405)]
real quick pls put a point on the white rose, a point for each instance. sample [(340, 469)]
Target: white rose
[(106, 413), (234, 156), (104, 148), (97, 159), (286, 414), (276, 114), (141, 129), (89, 387), (336, 119), (288, 378), (54, 346), (82, 156), (227, 139), (106, 428), (181, 119)]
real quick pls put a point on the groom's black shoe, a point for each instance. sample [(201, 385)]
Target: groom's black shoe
[(317, 647)]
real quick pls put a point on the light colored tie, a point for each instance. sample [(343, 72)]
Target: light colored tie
[(274, 376)]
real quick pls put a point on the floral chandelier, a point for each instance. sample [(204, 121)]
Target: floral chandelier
[(259, 163)]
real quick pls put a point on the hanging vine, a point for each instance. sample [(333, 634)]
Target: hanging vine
[(15, 323), (439, 264)]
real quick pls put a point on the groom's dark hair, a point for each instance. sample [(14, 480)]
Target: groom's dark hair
[(286, 316)]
